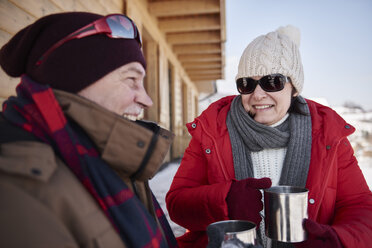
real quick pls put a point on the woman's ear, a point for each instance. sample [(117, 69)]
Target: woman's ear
[(294, 92)]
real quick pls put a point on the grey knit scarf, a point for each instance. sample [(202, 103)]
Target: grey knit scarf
[(247, 135)]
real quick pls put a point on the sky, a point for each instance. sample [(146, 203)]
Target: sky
[(336, 44)]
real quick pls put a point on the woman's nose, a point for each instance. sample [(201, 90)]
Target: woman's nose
[(259, 93)]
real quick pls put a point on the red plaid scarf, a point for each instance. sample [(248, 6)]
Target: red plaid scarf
[(36, 110)]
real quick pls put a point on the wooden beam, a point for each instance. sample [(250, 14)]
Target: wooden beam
[(211, 75), (4, 37), (200, 57), (7, 85), (192, 23), (197, 48), (205, 86), (194, 38), (93, 6), (205, 77), (171, 8), (201, 72), (37, 8), (69, 5), (149, 23), (12, 18), (152, 79), (202, 64), (223, 19)]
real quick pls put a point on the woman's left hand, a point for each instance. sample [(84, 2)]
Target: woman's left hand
[(320, 236)]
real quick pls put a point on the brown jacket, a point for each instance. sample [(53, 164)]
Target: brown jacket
[(43, 204)]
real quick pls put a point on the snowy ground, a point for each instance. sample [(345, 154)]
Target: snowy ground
[(365, 165), (161, 182), (160, 185)]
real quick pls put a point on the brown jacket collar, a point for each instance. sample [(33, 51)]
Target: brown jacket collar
[(122, 143)]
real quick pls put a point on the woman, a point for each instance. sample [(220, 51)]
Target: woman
[(270, 135)]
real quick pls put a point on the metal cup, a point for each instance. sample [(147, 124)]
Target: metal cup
[(238, 233), (285, 210)]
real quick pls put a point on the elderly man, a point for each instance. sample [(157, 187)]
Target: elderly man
[(73, 171)]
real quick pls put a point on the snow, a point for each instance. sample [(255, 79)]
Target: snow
[(365, 164), (160, 185)]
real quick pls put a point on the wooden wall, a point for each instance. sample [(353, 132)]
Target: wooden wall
[(173, 93), (16, 14)]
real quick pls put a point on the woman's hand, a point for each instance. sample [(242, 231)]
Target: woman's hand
[(244, 200), (320, 236)]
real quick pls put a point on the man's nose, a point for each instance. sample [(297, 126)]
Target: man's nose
[(144, 99)]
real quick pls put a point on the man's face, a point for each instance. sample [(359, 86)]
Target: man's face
[(121, 91)]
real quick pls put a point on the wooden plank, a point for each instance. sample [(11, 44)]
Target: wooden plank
[(223, 20), (193, 23), (150, 24), (12, 18), (37, 8), (119, 4), (185, 104), (171, 8), (197, 48), (201, 64), (201, 72), (205, 86), (69, 5), (206, 77), (200, 57), (152, 79), (7, 85), (4, 37), (164, 100), (112, 6), (194, 38), (93, 6)]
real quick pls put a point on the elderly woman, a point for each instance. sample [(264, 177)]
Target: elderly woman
[(270, 135)]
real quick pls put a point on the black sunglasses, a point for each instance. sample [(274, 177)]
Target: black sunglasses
[(269, 83)]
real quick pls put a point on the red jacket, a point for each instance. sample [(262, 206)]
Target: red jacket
[(340, 195)]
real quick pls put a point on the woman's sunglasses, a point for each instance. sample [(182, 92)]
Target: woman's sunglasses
[(114, 26), (269, 83)]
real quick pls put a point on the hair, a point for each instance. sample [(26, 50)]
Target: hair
[(296, 106)]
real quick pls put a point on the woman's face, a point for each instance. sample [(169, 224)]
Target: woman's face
[(268, 107)]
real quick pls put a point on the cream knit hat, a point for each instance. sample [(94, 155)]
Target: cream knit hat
[(275, 52)]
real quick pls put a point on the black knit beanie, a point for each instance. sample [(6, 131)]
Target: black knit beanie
[(72, 66)]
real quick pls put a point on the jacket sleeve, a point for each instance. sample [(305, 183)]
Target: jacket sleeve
[(25, 222), (192, 201), (353, 209)]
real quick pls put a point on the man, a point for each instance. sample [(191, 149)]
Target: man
[(73, 171)]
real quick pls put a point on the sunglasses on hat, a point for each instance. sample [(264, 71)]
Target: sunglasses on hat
[(114, 26), (269, 83)]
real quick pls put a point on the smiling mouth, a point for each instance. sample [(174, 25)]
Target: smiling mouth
[(260, 107), (131, 117)]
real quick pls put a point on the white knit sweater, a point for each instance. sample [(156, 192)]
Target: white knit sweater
[(269, 163)]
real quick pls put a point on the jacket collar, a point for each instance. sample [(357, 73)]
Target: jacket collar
[(327, 123), (127, 146)]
